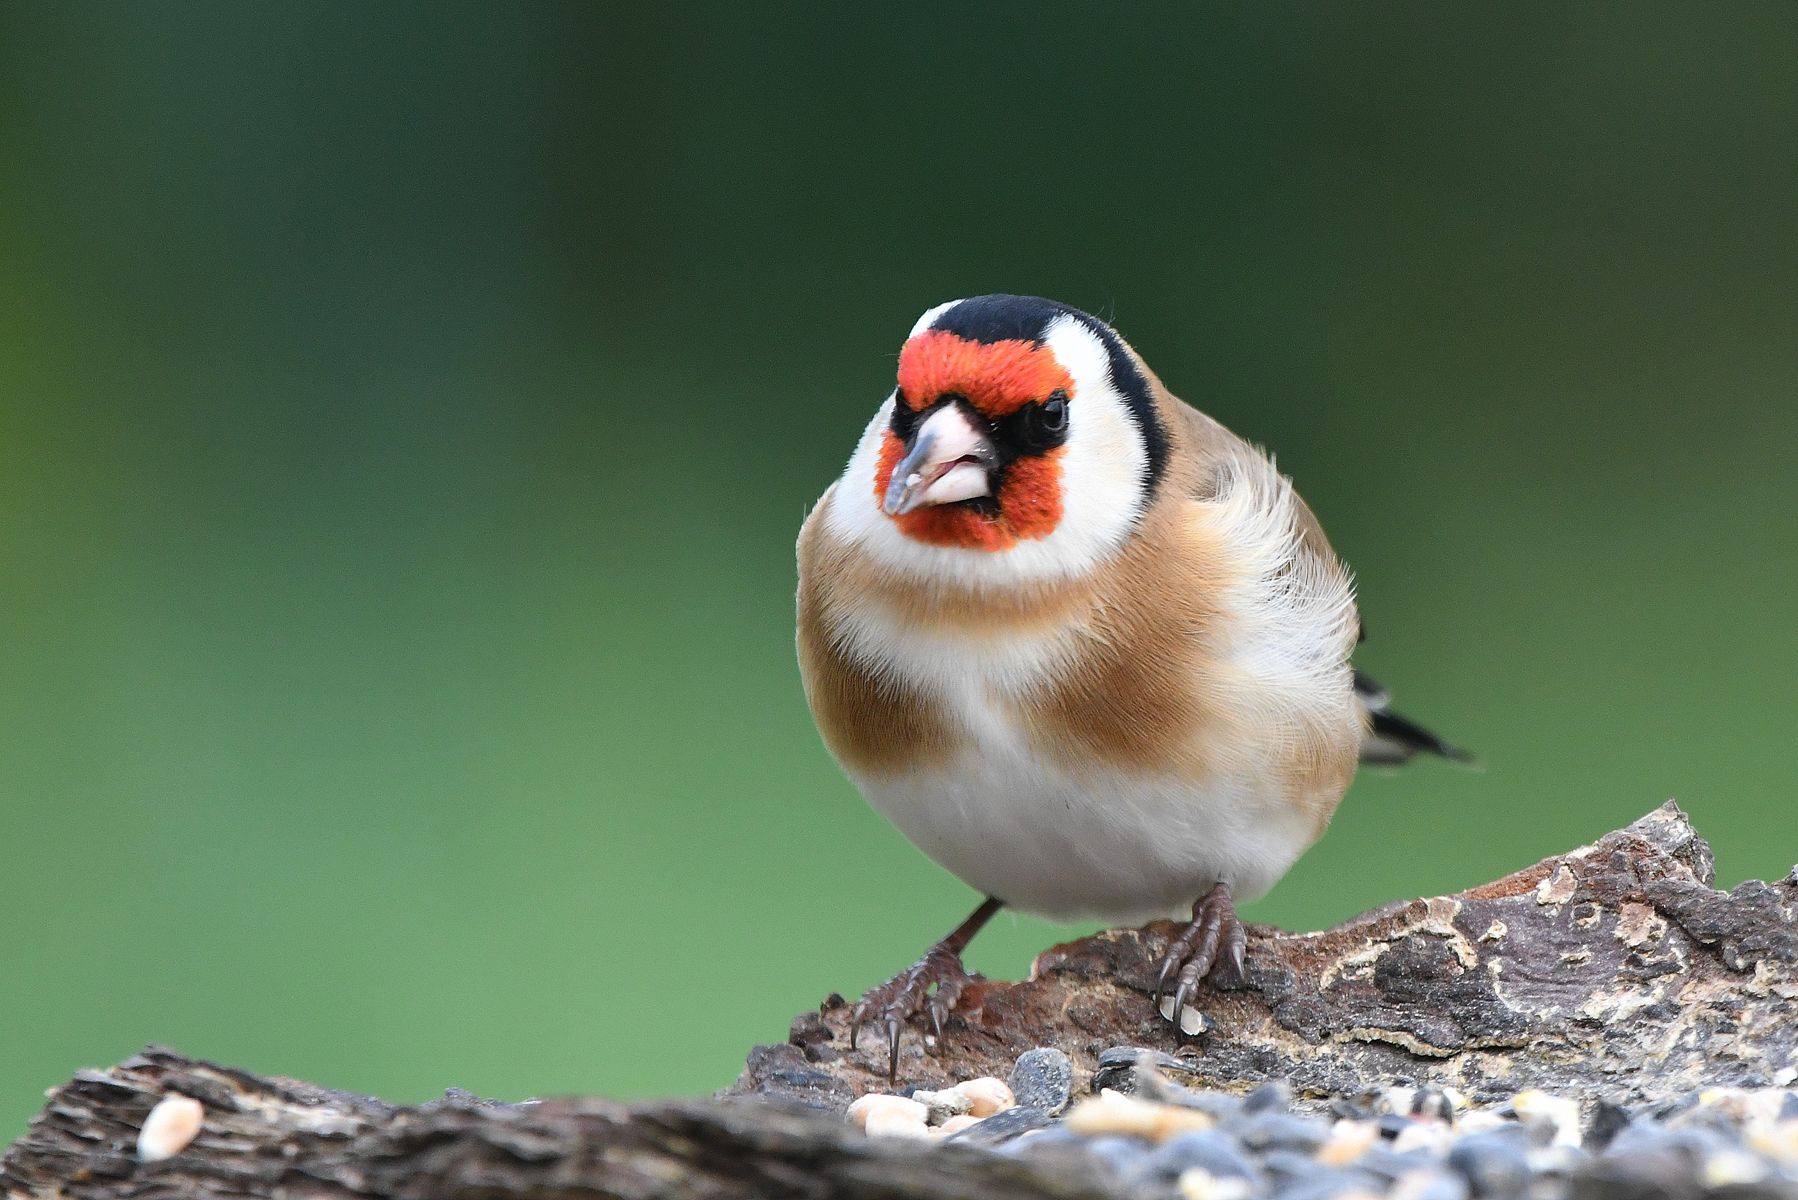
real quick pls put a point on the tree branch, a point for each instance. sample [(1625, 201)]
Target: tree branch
[(1615, 970)]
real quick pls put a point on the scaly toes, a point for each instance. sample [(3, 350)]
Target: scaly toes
[(1212, 946), (943, 1000), (1177, 951), (1236, 948), (910, 994)]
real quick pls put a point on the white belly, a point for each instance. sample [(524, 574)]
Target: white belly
[(1052, 836), (1067, 844)]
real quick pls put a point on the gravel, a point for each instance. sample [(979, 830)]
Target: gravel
[(1404, 1142), (1003, 1126), (1043, 1079)]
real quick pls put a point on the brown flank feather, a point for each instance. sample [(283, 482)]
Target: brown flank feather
[(872, 725)]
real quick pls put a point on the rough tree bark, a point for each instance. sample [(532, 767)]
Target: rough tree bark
[(1614, 970), (266, 1137)]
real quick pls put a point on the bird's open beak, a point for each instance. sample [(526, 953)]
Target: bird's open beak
[(950, 458)]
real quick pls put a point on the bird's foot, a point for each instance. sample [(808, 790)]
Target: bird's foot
[(930, 987), (1212, 946)]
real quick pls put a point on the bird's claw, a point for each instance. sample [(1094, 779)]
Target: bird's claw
[(1214, 945), (930, 987)]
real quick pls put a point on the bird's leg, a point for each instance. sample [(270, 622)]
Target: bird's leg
[(909, 993), (1213, 942)]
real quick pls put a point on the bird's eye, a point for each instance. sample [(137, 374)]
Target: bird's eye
[(1046, 424)]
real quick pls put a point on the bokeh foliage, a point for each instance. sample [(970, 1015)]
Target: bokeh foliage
[(406, 412)]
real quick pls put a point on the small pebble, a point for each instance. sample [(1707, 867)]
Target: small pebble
[(1120, 1067), (1672, 1108), (1145, 1081), (1347, 1142), (1112, 1113), (1780, 1142), (1422, 1135), (1216, 1153), (1158, 1138), (1643, 1135), (170, 1128), (986, 1095), (1122, 1154), (1697, 1143), (1387, 1163), (1733, 1168), (880, 1104), (1031, 1142), (1334, 1185), (1282, 1131), (1553, 1119), (1751, 1107), (1269, 1097), (1608, 1120), (942, 1105), (1480, 1120), (1429, 1183), (1493, 1165), (1555, 1162), (1397, 1100), (1288, 1166), (1219, 1106), (1200, 1184), (1004, 1125), (1651, 1171), (1043, 1079), (1437, 1104), (890, 1123)]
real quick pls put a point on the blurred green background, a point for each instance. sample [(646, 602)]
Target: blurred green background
[(406, 413)]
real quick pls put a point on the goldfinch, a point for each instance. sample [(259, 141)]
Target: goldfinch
[(1084, 646)]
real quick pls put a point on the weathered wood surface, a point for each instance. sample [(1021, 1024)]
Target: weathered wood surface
[(1615, 970), (266, 1137)]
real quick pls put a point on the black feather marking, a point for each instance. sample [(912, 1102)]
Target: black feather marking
[(1026, 318), (1391, 727), (1397, 739), (1371, 691)]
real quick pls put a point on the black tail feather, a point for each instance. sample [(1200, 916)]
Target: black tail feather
[(1397, 739), (1394, 739)]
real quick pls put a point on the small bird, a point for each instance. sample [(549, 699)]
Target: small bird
[(1084, 646)]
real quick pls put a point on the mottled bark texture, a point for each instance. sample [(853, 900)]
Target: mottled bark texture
[(1614, 970), (278, 1138)]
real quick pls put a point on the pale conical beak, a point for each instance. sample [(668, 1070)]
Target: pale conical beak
[(949, 459)]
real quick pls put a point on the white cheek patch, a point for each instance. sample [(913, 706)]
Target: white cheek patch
[(1103, 469), (1105, 466)]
